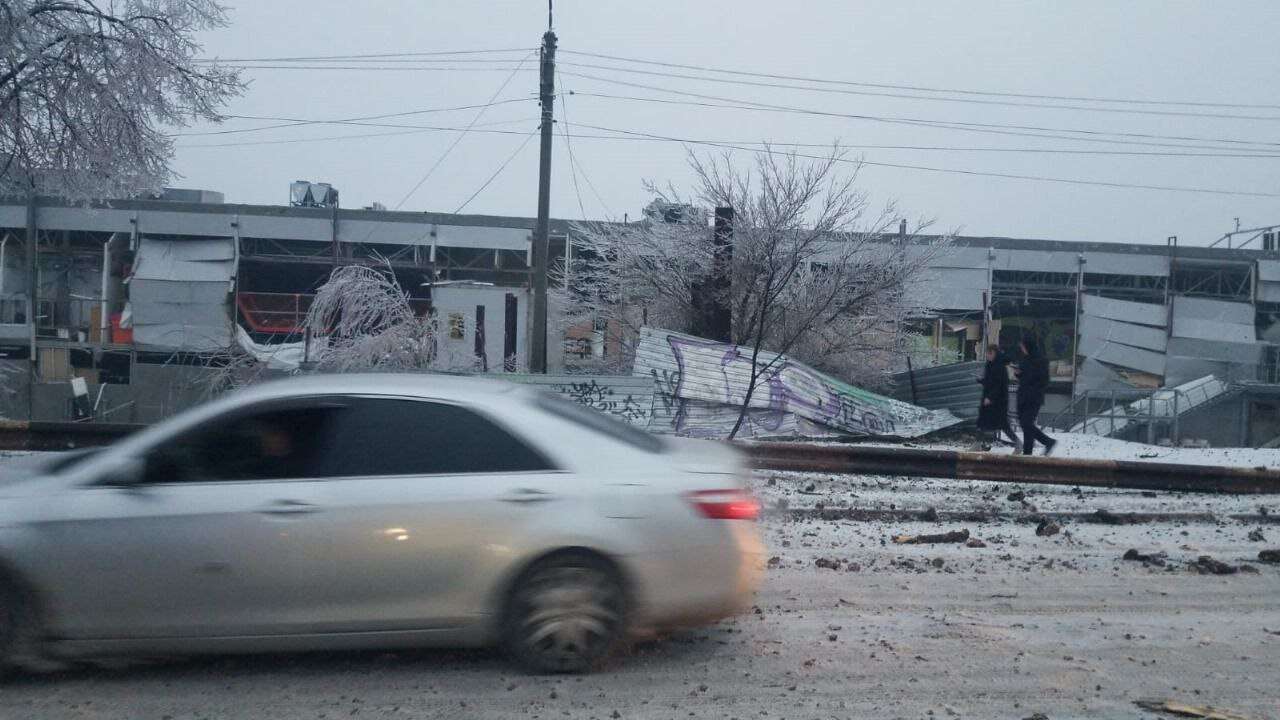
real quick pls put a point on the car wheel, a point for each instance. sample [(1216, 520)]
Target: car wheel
[(566, 614)]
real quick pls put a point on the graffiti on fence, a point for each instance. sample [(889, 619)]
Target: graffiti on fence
[(607, 399), (706, 384)]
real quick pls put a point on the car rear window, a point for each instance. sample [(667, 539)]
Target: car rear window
[(597, 421)]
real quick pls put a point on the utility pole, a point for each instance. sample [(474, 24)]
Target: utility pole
[(542, 233)]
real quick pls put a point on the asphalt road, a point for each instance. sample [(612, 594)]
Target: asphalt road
[(1056, 625)]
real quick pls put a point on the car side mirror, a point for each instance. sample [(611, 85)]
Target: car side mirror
[(127, 473)]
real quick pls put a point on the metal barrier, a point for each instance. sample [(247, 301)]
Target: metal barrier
[(1126, 413)]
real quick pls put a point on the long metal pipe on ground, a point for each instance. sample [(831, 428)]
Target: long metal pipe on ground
[(1128, 474), (842, 459)]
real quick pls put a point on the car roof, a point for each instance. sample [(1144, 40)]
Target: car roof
[(425, 385)]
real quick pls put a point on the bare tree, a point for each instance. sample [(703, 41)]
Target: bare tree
[(87, 89), (814, 272)]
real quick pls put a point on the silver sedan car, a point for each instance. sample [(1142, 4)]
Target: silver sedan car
[(333, 512)]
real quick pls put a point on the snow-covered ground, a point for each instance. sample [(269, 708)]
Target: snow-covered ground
[(1096, 447)]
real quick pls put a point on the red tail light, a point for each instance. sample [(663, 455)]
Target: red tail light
[(725, 504)]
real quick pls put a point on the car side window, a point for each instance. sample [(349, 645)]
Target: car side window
[(280, 443), (387, 436)]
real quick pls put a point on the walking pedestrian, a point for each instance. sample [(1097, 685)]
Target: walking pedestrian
[(993, 413), (1033, 380)]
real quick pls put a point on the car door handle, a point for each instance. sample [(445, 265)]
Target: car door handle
[(527, 496), (289, 507)]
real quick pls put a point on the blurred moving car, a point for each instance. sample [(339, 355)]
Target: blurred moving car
[(363, 511)]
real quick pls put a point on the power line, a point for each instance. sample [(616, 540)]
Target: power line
[(369, 55), (364, 67), (939, 124), (573, 165), (497, 172), (919, 88), (294, 122), (463, 134), (1005, 103), (925, 168), (911, 121), (416, 130)]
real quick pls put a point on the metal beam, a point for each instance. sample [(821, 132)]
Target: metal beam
[(860, 460)]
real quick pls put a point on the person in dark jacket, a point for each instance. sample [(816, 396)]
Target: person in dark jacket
[(993, 413), (1033, 380)]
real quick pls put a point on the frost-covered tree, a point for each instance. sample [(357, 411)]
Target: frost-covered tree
[(88, 90), (814, 272)]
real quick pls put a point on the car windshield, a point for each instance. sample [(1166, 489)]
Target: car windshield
[(597, 421)]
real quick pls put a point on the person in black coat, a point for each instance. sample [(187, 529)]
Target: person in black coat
[(1033, 380), (993, 413)]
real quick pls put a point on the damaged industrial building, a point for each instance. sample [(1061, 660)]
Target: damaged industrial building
[(111, 312)]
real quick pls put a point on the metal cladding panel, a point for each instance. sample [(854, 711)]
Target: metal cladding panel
[(1126, 311), (1102, 330), (690, 368), (1129, 357), (961, 257), (951, 387), (1218, 310), (81, 218), (1105, 263), (953, 288), (287, 228), (1095, 375), (1269, 270), (482, 237), (160, 222), (184, 260), (1242, 353), (144, 293), (180, 315), (13, 216), (1037, 261), (1269, 292), (389, 233), (1183, 369), (1214, 330)]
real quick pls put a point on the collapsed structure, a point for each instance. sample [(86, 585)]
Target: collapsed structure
[(132, 298)]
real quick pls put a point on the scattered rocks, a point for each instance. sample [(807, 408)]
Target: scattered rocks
[(1158, 559), (775, 561), (975, 543), (929, 515), (937, 562), (1269, 556), (828, 563), (1017, 496), (1256, 535), (1106, 517), (1048, 528), (1037, 716)]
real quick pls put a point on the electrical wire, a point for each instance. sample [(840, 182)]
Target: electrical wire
[(369, 55), (844, 91), (497, 172), (462, 134), (911, 121), (955, 171), (919, 88), (294, 122), (417, 130), (368, 67), (573, 165)]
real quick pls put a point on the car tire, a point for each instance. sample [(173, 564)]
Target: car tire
[(566, 614)]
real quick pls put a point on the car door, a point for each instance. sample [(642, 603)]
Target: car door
[(217, 537), (428, 504)]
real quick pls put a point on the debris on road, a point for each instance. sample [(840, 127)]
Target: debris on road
[(1196, 711), (929, 515), (975, 543), (1158, 558), (1269, 556), (1206, 565), (1048, 528), (1017, 496), (1256, 535), (1106, 517), (955, 536), (828, 563)]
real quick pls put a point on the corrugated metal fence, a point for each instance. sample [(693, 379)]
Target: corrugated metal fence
[(952, 387)]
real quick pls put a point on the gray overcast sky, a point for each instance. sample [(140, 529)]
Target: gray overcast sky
[(1217, 52)]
